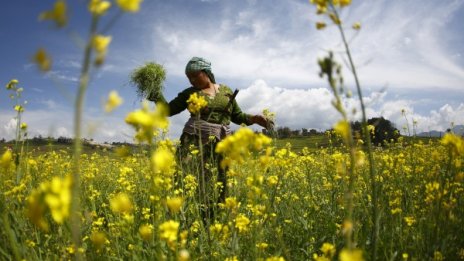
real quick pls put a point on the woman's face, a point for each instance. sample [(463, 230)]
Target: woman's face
[(198, 79)]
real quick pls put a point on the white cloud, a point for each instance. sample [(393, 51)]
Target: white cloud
[(396, 47)]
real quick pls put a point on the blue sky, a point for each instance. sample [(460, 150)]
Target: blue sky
[(409, 56)]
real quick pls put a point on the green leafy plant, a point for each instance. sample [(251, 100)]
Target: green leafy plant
[(148, 79)]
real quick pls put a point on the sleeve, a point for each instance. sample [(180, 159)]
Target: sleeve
[(237, 116), (177, 105)]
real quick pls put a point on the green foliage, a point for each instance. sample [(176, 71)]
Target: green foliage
[(148, 79)]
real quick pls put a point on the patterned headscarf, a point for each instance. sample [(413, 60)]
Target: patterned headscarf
[(199, 64)]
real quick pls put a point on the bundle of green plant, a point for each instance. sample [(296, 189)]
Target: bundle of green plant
[(148, 79)]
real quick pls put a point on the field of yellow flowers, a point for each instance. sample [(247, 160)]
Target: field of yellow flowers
[(403, 201), (280, 205)]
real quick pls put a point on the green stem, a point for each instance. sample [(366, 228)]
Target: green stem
[(367, 138), (83, 84)]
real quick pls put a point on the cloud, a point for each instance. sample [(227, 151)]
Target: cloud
[(396, 47), (295, 108)]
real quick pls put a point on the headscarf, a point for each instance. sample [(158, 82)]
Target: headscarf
[(199, 64)]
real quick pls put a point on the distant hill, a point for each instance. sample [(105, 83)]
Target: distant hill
[(458, 130)]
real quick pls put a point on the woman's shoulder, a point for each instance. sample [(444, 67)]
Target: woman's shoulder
[(188, 91), (225, 88)]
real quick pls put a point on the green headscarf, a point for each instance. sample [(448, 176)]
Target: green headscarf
[(199, 64)]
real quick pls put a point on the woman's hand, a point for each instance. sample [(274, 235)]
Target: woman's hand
[(260, 120)]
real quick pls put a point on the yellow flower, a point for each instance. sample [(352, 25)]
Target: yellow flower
[(6, 158), (454, 142), (241, 223), (146, 232), (145, 122), (121, 203), (168, 231), (328, 250), (100, 43), (18, 108), (12, 84), (99, 7), (320, 25), (114, 100), (351, 255), (23, 126), (98, 239), (54, 196), (357, 26), (57, 14), (184, 255), (410, 220), (262, 246), (343, 128), (196, 103), (58, 198), (231, 203), (129, 5), (43, 60), (163, 161), (275, 258), (174, 204), (345, 2)]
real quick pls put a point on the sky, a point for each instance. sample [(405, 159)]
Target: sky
[(408, 55)]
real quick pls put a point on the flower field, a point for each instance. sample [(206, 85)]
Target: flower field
[(346, 200), (280, 205)]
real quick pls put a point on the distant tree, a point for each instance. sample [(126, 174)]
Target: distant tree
[(385, 130), (64, 140), (295, 133), (312, 131), (284, 132), (304, 132)]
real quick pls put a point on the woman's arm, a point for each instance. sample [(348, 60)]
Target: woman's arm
[(177, 105)]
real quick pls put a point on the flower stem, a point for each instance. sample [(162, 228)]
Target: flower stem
[(83, 84), (367, 138)]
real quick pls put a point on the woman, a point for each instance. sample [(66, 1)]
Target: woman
[(211, 124)]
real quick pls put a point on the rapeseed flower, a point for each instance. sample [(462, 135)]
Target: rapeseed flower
[(168, 231), (454, 142), (239, 145), (12, 84), (43, 60), (129, 5), (146, 232), (241, 223), (57, 14), (121, 203), (98, 239), (54, 196), (6, 159), (320, 25), (100, 44), (196, 103), (174, 204), (163, 161), (351, 255), (343, 129), (357, 26), (328, 250), (99, 7), (183, 255), (113, 101), (146, 122), (275, 258)]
